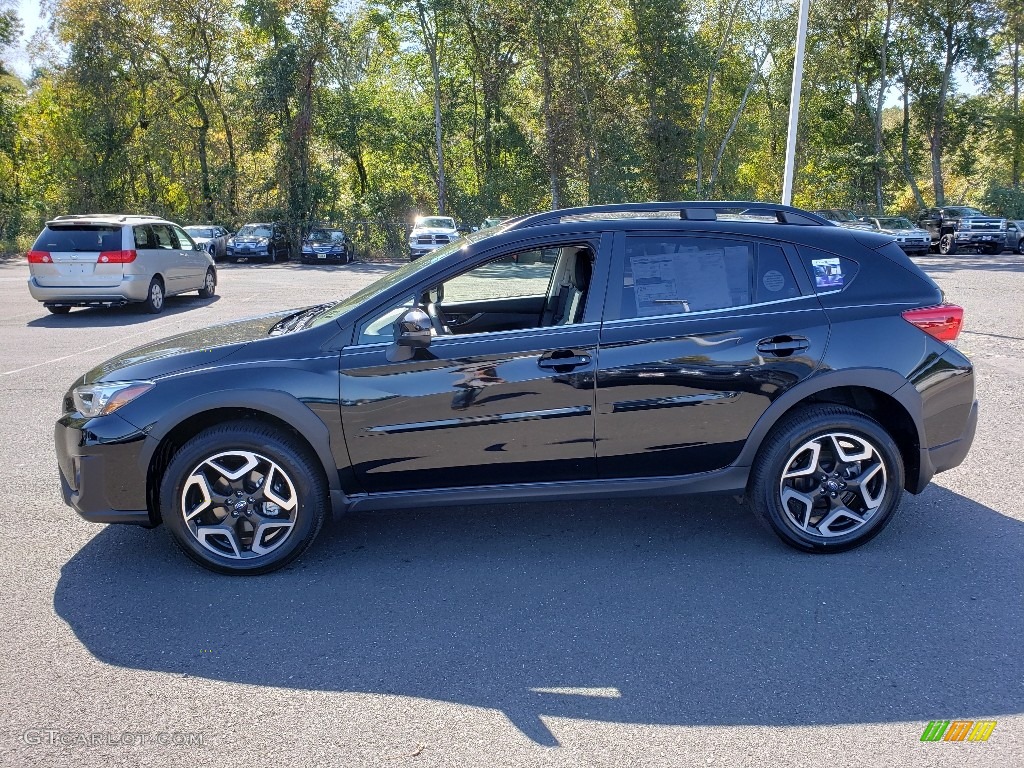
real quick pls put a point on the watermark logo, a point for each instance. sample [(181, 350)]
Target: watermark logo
[(958, 730), (52, 737)]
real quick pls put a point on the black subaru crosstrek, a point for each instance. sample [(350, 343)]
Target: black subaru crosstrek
[(667, 348)]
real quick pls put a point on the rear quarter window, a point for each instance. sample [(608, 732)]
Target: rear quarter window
[(81, 237)]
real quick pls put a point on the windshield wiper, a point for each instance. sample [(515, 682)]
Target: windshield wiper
[(298, 320)]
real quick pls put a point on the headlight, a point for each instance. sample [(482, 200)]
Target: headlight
[(231, 241), (263, 241), (93, 400), (412, 239)]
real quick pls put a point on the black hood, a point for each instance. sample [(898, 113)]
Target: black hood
[(186, 350)]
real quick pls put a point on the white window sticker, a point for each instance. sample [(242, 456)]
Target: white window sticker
[(828, 273)]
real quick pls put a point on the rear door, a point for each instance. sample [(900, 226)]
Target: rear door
[(78, 256), (701, 335)]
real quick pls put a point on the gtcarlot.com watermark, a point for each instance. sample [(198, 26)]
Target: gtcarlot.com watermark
[(54, 737)]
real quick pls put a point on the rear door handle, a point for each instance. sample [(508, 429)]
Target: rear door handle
[(563, 364), (783, 346)]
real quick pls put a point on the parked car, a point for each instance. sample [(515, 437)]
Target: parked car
[(430, 232), (322, 245), (111, 260), (212, 237), (959, 227), (259, 241), (910, 238), (843, 217), (653, 356), (1015, 235)]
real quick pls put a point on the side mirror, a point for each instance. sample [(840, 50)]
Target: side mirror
[(413, 329)]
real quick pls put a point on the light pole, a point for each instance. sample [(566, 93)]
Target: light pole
[(794, 105)]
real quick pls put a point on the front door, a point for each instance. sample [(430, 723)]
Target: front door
[(508, 397)]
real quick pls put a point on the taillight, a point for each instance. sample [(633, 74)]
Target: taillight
[(117, 257), (942, 322), (38, 257)]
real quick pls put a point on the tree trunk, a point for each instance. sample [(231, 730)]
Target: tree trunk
[(204, 166), (883, 86), (1018, 129), (938, 127), (908, 173), (430, 41), (706, 111)]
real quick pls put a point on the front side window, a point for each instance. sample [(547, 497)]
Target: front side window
[(521, 274), (184, 242), (667, 275)]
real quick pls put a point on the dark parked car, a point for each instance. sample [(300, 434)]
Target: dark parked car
[(958, 227), (1015, 235), (259, 241), (843, 217), (324, 245), (804, 365)]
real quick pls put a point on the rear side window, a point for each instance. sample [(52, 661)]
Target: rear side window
[(828, 271), (81, 237), (678, 274)]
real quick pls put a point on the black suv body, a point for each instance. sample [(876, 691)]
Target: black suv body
[(669, 348)]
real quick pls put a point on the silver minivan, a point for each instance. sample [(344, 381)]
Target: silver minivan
[(92, 260)]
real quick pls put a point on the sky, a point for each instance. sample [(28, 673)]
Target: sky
[(29, 11)]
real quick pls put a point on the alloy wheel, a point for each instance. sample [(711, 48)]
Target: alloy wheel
[(832, 485), (239, 504)]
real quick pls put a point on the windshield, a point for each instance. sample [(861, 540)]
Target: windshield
[(200, 231), (965, 211), (381, 286), (896, 223), (436, 222), (326, 235), (254, 230)]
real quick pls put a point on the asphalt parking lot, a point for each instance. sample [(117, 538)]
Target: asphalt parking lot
[(652, 632)]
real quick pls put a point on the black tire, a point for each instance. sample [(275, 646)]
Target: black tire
[(155, 297), (947, 245), (992, 250), (58, 310), (1020, 246), (209, 289), (781, 451), (305, 486)]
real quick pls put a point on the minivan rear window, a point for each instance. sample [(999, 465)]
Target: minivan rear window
[(80, 237)]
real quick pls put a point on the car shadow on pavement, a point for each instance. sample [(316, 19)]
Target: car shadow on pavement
[(649, 611), (131, 314)]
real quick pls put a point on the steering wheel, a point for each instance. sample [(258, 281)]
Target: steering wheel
[(438, 320)]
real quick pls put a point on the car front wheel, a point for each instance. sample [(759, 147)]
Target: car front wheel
[(209, 288), (947, 245), (243, 498), (828, 479)]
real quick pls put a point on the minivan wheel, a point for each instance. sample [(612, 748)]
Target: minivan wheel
[(827, 479), (947, 245), (209, 289), (243, 498), (154, 303)]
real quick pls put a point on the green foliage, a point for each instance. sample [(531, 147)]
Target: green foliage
[(303, 110)]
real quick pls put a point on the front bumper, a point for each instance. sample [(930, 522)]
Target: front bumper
[(258, 252), (100, 473), (967, 237)]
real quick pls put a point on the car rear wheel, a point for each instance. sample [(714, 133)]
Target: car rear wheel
[(154, 303), (243, 498), (1020, 246), (828, 479), (58, 310), (209, 289), (993, 249), (947, 245)]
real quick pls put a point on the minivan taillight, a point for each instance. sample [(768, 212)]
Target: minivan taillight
[(943, 322), (117, 257), (38, 257)]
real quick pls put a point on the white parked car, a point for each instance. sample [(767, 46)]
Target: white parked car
[(429, 233), (212, 237), (911, 239), (103, 260)]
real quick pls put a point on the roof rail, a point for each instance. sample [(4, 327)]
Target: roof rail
[(699, 210)]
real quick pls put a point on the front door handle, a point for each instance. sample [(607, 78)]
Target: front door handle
[(563, 364), (783, 346)]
